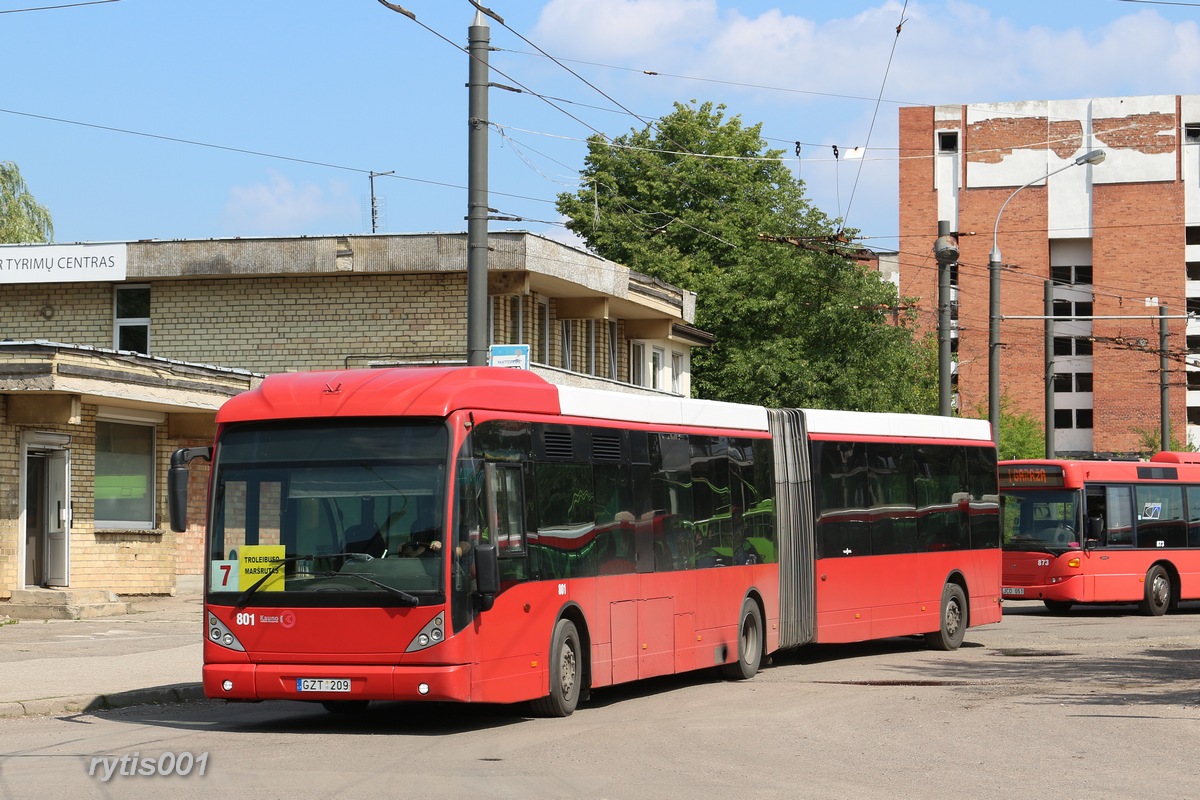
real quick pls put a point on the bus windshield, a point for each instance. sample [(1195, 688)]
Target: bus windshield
[(341, 514), (1040, 519)]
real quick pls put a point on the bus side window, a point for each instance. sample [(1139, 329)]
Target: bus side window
[(1193, 501), (1120, 516)]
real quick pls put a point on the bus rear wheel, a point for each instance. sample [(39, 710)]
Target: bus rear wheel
[(750, 644), (1158, 592), (566, 673), (953, 626)]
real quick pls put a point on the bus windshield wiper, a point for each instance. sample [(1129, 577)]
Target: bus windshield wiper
[(245, 596), (409, 599)]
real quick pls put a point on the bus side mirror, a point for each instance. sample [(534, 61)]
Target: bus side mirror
[(487, 575), (1095, 529), (177, 484)]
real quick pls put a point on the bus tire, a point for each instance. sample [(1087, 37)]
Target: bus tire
[(750, 644), (566, 673), (1058, 606), (953, 620), (1158, 592)]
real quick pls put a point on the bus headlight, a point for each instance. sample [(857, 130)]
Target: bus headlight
[(433, 633), (219, 634)]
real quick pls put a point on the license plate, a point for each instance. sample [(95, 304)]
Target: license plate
[(322, 684), (1012, 590)]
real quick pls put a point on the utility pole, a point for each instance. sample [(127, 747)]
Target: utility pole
[(478, 39), (1048, 344), (945, 250), (1164, 367)]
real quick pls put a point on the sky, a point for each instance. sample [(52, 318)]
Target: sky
[(157, 119)]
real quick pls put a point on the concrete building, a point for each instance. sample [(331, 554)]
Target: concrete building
[(1119, 240), (116, 354)]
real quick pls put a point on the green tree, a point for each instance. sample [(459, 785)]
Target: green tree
[(794, 325), (22, 219), (1150, 442), (1022, 434)]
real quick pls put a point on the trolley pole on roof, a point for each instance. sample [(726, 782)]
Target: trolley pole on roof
[(479, 39)]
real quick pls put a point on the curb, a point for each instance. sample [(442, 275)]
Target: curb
[(157, 695)]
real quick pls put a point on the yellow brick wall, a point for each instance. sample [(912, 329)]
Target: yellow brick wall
[(10, 502)]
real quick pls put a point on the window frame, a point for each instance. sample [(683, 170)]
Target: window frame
[(151, 522), (120, 323)]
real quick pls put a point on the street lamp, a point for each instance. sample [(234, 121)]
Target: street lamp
[(1090, 157)]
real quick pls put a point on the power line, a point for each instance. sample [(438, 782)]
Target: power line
[(65, 5)]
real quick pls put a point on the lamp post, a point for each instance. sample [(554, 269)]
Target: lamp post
[(1090, 157)]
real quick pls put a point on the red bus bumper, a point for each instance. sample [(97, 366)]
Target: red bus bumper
[(1067, 590), (282, 682)]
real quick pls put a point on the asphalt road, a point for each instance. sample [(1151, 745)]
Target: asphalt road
[(1102, 703)]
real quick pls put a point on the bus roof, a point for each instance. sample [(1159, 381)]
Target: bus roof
[(439, 391)]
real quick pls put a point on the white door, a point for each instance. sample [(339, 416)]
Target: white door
[(58, 518)]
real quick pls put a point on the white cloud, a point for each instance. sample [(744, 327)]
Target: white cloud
[(836, 63), (618, 29), (282, 208)]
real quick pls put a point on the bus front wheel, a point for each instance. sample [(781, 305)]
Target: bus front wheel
[(566, 673), (1158, 592), (953, 626), (1058, 606), (750, 644)]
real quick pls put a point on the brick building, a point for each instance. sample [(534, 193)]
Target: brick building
[(1117, 239), (116, 354)]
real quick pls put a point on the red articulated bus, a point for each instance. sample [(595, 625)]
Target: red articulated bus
[(1102, 531), (479, 534)]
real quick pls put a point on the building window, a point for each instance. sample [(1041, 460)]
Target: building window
[(124, 483), (1072, 275), (1193, 380), (1062, 382), (676, 372), (1191, 132), (543, 335), (657, 359), (1072, 346), (516, 320), (1083, 418), (637, 363), (612, 349), (1191, 234), (131, 314), (947, 141), (1083, 381), (590, 347), (568, 341), (1063, 418)]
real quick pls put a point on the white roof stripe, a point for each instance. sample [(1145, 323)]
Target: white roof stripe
[(913, 425), (576, 402)]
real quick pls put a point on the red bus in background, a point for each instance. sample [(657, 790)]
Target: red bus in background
[(1102, 531), (479, 534)]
